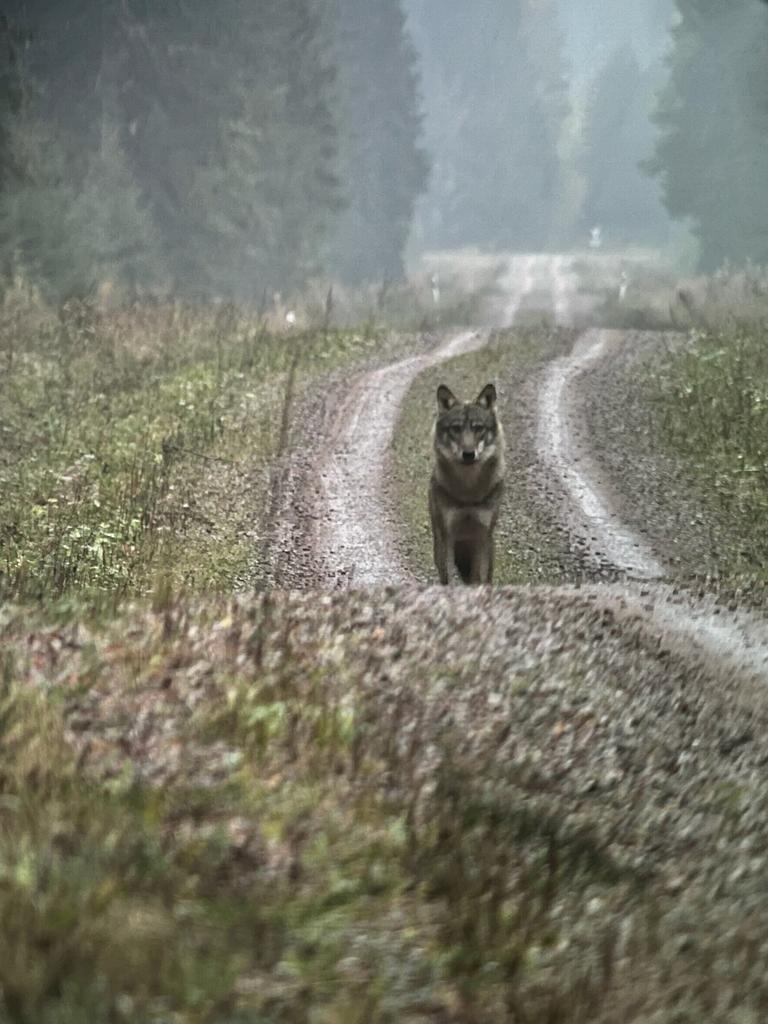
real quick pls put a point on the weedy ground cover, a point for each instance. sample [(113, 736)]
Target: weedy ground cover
[(136, 445), (230, 812), (709, 407), (217, 813)]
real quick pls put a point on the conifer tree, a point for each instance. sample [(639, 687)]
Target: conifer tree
[(617, 138), (222, 143), (232, 137), (10, 96), (712, 150), (382, 167), (76, 217), (123, 242), (497, 98), (43, 230)]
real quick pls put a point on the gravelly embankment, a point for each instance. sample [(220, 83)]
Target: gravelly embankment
[(543, 701), (640, 772)]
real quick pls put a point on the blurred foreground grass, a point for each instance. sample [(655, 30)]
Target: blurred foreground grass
[(242, 812), (269, 810)]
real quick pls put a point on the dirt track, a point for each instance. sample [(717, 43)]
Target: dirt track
[(639, 705), (337, 523)]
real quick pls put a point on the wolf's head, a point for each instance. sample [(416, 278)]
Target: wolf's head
[(466, 432)]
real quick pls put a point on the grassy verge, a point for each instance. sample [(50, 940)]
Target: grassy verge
[(528, 550), (709, 408), (215, 814), (136, 446)]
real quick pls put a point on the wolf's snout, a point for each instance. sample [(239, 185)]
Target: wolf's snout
[(468, 457)]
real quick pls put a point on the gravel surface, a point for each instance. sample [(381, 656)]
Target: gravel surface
[(558, 705), (334, 521)]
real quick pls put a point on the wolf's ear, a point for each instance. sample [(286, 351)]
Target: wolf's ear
[(446, 398), (487, 397)]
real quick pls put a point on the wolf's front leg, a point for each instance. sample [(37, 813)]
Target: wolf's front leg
[(441, 555), (482, 561)]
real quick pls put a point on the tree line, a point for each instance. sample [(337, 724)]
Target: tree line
[(224, 149), (238, 148), (712, 120), (673, 125)]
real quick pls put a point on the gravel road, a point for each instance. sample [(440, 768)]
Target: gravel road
[(336, 524), (637, 704)]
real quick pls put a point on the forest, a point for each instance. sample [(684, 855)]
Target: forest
[(233, 153), (327, 697)]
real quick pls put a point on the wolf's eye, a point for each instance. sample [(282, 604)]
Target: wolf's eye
[(456, 429), (478, 428)]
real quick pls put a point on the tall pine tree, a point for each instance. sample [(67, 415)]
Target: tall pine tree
[(220, 116), (497, 102), (232, 137), (11, 97), (382, 167), (78, 217), (712, 151), (618, 137)]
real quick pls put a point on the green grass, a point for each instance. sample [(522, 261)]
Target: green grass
[(709, 408), (527, 551), (136, 446)]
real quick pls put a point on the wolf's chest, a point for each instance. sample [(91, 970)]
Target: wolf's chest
[(466, 521)]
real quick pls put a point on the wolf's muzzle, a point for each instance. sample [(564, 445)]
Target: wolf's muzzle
[(468, 458)]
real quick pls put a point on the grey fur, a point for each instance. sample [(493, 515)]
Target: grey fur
[(464, 495)]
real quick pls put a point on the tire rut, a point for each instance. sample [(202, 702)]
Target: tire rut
[(735, 640), (337, 527)]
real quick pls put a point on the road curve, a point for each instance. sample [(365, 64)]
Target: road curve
[(339, 528), (354, 541), (564, 450), (735, 639), (355, 538)]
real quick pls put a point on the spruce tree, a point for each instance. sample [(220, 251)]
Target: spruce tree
[(124, 245), (233, 139), (11, 96), (382, 167), (43, 230), (617, 138), (76, 217), (224, 137), (497, 101), (712, 151)]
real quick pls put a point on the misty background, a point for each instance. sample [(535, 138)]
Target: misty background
[(234, 149)]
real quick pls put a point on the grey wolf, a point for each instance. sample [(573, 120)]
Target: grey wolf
[(467, 484)]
